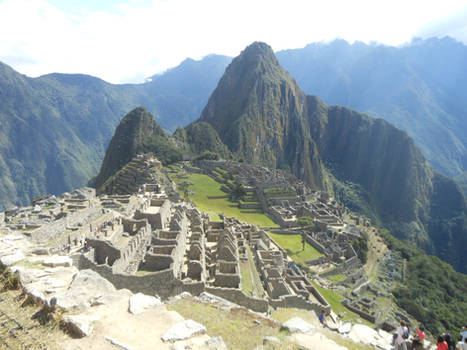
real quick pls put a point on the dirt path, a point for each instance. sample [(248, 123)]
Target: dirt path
[(138, 332)]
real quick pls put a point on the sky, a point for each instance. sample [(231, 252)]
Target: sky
[(128, 41)]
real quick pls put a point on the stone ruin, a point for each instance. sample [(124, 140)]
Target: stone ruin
[(151, 243), (284, 198)]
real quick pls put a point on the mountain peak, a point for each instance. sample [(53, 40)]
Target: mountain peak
[(257, 54), (134, 129)]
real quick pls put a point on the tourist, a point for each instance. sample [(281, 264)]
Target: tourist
[(462, 345), (322, 318), (464, 333), (418, 340), (402, 336), (450, 341), (442, 345)]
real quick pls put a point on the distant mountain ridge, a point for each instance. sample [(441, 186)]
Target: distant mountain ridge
[(54, 129), (419, 87)]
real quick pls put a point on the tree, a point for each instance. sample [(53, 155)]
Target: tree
[(184, 186), (305, 221), (238, 192)]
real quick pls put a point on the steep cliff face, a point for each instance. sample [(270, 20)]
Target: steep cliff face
[(379, 157), (419, 87), (259, 112)]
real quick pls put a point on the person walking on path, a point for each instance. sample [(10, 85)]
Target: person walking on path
[(402, 336)]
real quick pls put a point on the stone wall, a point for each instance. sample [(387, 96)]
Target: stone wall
[(162, 283), (153, 262), (350, 264), (194, 288), (238, 297), (104, 252), (55, 229), (359, 312), (297, 301)]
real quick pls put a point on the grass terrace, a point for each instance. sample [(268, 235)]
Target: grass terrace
[(293, 245), (339, 277), (334, 299), (205, 186)]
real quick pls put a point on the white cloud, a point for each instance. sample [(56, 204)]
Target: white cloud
[(136, 39)]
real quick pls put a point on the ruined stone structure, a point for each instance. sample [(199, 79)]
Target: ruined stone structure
[(153, 242)]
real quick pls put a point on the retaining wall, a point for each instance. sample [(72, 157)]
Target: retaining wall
[(238, 297)]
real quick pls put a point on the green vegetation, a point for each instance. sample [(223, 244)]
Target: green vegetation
[(36, 331), (238, 193), (250, 283), (207, 155), (433, 292), (201, 140), (293, 245), (339, 277), (204, 187), (361, 247), (305, 221), (246, 279), (137, 133), (163, 148), (334, 300)]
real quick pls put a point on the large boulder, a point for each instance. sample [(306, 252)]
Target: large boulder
[(345, 328), (86, 286), (315, 341), (79, 325), (8, 260), (140, 302), (297, 325), (183, 330), (216, 343), (366, 335)]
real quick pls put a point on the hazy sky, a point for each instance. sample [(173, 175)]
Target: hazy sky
[(126, 41)]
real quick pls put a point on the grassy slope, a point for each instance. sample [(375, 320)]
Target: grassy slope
[(237, 327), (204, 187), (34, 333)]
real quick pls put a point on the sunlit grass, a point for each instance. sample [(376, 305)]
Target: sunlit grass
[(237, 327), (293, 245), (205, 186)]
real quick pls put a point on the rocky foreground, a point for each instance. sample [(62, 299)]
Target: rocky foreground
[(97, 316)]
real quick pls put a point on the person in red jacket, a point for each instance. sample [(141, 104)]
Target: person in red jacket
[(442, 345), (418, 340)]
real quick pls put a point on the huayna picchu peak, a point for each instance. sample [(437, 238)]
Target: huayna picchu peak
[(260, 114)]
